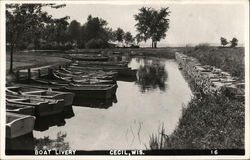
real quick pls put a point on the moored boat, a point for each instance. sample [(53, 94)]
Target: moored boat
[(18, 124), (20, 109), (32, 91), (82, 90), (42, 106), (108, 63), (82, 80), (89, 58)]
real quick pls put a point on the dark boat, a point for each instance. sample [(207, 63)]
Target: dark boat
[(18, 124), (42, 106)]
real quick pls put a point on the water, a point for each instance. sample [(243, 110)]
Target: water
[(141, 107)]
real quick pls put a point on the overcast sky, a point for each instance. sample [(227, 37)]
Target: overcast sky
[(189, 23)]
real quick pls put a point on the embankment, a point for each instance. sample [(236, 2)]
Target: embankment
[(211, 80)]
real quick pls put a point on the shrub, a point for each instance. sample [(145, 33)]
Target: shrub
[(96, 43)]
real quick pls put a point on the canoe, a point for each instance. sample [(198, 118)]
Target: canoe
[(42, 106), (18, 124), (82, 80), (32, 91), (20, 109), (82, 90)]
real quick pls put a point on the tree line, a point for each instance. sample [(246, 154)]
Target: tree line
[(28, 26)]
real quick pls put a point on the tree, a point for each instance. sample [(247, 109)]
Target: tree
[(128, 38), (119, 35), (223, 41), (234, 42), (74, 31), (152, 24), (22, 19)]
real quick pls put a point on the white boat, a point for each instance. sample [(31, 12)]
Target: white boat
[(18, 124)]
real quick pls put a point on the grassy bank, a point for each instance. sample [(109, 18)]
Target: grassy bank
[(228, 59), (209, 122), (206, 123), (29, 59)]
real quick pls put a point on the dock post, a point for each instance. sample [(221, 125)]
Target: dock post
[(29, 74)]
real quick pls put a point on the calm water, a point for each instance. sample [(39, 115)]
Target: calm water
[(156, 98)]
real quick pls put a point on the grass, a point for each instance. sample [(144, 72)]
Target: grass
[(29, 59), (228, 59), (210, 122)]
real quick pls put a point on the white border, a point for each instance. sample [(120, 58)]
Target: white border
[(122, 2)]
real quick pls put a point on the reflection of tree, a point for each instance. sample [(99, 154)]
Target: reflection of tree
[(47, 143), (152, 75)]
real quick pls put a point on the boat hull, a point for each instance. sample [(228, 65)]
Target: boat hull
[(18, 124)]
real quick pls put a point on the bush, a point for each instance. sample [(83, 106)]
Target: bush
[(96, 43)]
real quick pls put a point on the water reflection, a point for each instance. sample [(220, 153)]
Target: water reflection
[(24, 142), (95, 102), (46, 143), (43, 123), (151, 75)]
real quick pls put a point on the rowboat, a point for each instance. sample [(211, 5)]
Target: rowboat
[(89, 58), (82, 80), (122, 71), (32, 91), (88, 73), (80, 90), (108, 63), (42, 106), (18, 124), (20, 109)]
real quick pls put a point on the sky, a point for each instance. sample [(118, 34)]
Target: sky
[(190, 23)]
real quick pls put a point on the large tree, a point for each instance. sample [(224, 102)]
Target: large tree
[(22, 19), (119, 34), (128, 38), (74, 31), (152, 24)]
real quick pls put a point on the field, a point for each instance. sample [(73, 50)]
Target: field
[(228, 59)]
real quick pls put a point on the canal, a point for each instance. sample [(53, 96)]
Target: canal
[(140, 108)]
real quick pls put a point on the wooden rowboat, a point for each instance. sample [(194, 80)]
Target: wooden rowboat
[(32, 91), (122, 71), (89, 58), (18, 124), (89, 63), (42, 106), (81, 90), (82, 80), (20, 109)]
